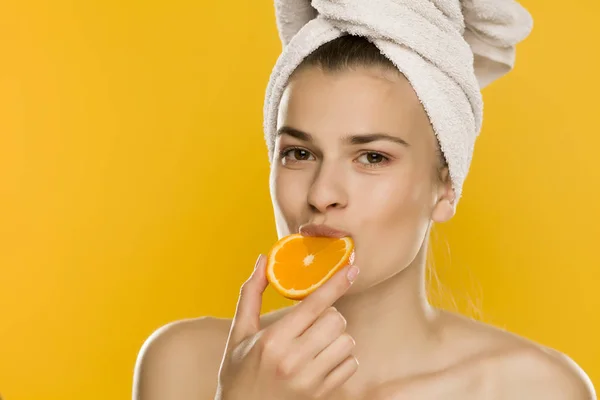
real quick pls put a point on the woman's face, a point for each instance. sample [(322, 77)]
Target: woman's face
[(355, 151)]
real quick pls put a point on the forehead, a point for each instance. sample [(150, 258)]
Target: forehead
[(352, 101)]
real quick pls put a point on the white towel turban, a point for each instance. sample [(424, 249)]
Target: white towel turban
[(447, 49)]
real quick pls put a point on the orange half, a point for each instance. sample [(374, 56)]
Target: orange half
[(297, 265)]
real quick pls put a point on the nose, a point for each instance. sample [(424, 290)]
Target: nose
[(328, 189)]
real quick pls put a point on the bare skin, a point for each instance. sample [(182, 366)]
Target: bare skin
[(383, 340)]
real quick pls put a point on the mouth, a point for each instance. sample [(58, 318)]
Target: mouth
[(322, 231)]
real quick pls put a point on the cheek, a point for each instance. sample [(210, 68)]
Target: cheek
[(288, 193), (389, 208), (393, 222), (388, 200)]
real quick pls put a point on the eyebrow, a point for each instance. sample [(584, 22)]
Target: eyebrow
[(350, 139)]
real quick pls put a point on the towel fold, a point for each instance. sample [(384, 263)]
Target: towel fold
[(448, 50)]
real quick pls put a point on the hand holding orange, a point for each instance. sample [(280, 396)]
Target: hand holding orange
[(307, 353)]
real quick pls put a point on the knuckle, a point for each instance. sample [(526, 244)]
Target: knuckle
[(245, 288), (303, 387), (306, 383), (269, 347), (285, 368)]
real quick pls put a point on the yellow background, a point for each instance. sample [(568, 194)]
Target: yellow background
[(133, 184)]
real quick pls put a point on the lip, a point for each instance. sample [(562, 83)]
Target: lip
[(321, 230)]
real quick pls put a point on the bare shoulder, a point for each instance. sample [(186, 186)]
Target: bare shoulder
[(518, 368), (534, 371), (181, 360)]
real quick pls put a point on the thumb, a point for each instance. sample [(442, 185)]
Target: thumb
[(246, 320)]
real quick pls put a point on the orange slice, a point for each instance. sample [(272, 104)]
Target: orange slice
[(297, 265)]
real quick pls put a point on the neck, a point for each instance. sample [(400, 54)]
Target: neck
[(394, 326)]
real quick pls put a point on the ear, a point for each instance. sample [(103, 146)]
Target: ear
[(445, 206)]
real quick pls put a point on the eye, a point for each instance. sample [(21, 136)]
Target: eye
[(294, 154), (372, 158)]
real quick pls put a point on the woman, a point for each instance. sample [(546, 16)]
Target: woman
[(354, 152)]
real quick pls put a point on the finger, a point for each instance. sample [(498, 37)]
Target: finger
[(338, 376), (316, 370), (326, 329), (304, 314), (302, 351), (246, 320)]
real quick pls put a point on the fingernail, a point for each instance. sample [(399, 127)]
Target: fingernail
[(352, 273), (258, 261)]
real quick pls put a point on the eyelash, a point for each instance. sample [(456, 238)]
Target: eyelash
[(284, 152)]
